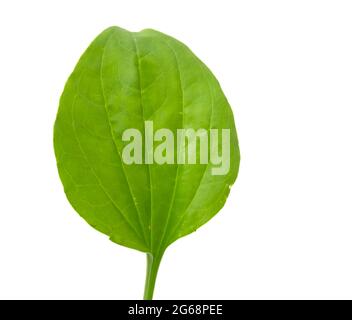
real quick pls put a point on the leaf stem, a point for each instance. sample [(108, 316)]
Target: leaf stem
[(153, 263)]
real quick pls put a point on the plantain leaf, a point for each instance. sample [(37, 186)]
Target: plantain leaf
[(146, 81)]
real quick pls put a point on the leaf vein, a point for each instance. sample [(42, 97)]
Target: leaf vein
[(114, 141)]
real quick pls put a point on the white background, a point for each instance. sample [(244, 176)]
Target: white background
[(286, 229)]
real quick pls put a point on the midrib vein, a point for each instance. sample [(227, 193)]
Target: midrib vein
[(114, 141), (143, 118), (160, 248)]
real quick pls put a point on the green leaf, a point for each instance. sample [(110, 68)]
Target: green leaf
[(121, 81)]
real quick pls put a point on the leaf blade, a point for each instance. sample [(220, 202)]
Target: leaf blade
[(122, 80)]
